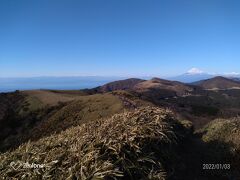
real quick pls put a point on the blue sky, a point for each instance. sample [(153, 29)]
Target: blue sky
[(118, 37)]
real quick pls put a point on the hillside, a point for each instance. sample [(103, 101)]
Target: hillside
[(236, 79), (189, 101), (20, 111), (85, 109), (137, 145), (222, 138), (36, 123), (53, 97), (155, 87), (147, 143), (218, 83), (160, 84), (126, 84)]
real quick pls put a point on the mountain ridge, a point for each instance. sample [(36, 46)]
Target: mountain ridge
[(218, 82)]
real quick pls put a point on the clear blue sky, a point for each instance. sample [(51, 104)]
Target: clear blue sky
[(118, 37)]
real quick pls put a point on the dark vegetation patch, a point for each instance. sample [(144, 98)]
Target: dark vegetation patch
[(17, 126), (198, 110)]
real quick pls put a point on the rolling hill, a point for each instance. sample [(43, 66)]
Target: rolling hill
[(218, 83), (175, 87), (30, 119), (126, 84), (133, 145), (140, 85), (189, 101)]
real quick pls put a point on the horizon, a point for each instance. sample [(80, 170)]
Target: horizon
[(11, 84), (110, 38), (191, 71)]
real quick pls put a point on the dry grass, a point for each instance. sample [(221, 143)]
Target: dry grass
[(131, 145), (87, 108), (227, 130), (161, 84), (218, 83), (52, 98), (32, 122), (222, 137)]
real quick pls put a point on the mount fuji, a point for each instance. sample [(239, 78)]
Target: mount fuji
[(192, 75)]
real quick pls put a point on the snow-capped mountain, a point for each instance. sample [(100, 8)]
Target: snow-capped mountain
[(192, 75)]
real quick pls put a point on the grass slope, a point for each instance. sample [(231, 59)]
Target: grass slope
[(226, 131), (218, 83), (132, 145), (32, 123), (86, 108), (222, 140), (51, 97)]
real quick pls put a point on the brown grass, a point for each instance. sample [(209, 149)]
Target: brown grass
[(161, 84), (87, 108), (52, 98), (131, 145), (222, 137), (30, 119)]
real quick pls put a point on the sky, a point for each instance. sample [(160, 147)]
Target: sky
[(118, 37)]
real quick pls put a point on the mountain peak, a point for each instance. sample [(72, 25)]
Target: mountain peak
[(120, 85), (194, 71), (218, 82)]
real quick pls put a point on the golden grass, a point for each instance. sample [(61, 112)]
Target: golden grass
[(131, 145), (52, 98), (87, 108), (33, 120), (155, 83)]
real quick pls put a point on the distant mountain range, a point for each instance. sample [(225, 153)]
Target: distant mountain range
[(83, 82), (176, 87), (193, 77)]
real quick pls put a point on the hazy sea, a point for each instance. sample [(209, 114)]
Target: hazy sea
[(56, 83)]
